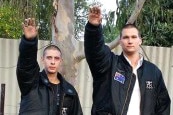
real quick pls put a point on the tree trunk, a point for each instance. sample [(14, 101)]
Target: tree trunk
[(63, 36)]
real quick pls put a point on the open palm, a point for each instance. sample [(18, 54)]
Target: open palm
[(95, 17), (29, 28)]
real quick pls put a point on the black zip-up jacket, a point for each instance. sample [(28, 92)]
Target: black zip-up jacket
[(36, 91), (111, 91)]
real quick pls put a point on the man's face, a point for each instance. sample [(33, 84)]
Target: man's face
[(52, 61), (130, 41)]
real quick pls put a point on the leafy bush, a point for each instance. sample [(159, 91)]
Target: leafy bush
[(10, 24)]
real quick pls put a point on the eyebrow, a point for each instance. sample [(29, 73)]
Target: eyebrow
[(126, 36)]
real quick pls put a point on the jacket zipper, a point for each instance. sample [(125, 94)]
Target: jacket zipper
[(52, 104), (62, 103), (127, 94)]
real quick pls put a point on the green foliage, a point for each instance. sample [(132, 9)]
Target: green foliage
[(44, 13), (156, 24), (124, 10), (110, 30), (80, 15), (10, 22), (155, 21), (13, 13)]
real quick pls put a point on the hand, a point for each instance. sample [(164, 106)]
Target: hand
[(95, 17), (29, 28)]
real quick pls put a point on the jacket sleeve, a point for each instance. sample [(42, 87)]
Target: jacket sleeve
[(163, 102), (77, 109), (27, 67), (98, 55)]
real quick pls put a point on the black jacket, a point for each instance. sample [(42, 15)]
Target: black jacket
[(36, 91), (112, 97)]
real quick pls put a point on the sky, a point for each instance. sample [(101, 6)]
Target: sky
[(107, 4)]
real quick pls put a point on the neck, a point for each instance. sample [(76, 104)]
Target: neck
[(53, 78), (134, 58)]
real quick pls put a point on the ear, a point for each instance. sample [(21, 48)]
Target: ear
[(140, 41), (119, 41), (61, 61)]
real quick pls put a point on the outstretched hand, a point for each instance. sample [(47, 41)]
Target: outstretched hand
[(95, 17), (29, 28)]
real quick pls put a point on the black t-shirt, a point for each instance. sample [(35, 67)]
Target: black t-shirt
[(56, 97)]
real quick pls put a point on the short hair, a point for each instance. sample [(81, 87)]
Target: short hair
[(51, 46), (130, 26)]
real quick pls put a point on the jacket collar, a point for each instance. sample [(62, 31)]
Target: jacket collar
[(66, 87), (123, 59), (128, 66), (127, 62)]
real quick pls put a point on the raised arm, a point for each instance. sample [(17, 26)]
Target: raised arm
[(98, 55), (27, 66)]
